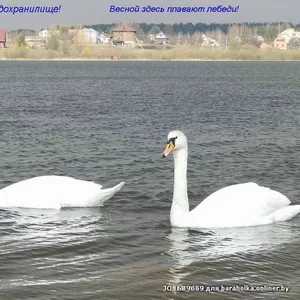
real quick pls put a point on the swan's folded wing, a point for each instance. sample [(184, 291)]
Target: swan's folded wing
[(240, 202), (51, 192)]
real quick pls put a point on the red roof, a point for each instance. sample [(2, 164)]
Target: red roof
[(2, 35)]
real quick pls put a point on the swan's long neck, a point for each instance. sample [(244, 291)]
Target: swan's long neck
[(180, 204)]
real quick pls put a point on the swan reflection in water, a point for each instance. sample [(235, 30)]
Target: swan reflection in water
[(52, 241), (46, 226), (188, 246)]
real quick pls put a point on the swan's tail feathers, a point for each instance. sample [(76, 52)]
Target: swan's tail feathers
[(285, 213), (115, 188), (108, 193)]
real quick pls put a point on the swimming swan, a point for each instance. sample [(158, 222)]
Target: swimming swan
[(55, 192), (246, 204)]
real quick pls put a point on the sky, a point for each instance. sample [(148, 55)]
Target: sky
[(89, 12)]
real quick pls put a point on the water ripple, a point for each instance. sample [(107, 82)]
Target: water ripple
[(108, 122)]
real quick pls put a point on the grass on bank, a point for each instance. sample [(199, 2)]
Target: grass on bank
[(246, 52)]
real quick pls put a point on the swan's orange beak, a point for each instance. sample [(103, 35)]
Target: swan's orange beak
[(168, 149)]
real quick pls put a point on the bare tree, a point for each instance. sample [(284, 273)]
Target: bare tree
[(65, 39), (53, 42), (155, 30)]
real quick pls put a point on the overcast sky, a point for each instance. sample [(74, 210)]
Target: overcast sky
[(76, 12)]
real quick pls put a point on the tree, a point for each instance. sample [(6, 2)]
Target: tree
[(234, 45), (139, 32), (155, 30), (168, 30), (196, 39), (21, 40), (65, 39), (53, 42)]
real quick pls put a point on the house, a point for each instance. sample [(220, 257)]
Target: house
[(280, 43), (161, 39), (284, 38), (123, 34), (3, 38), (104, 38), (43, 33), (208, 42), (289, 34), (89, 35), (34, 41), (46, 33), (152, 37)]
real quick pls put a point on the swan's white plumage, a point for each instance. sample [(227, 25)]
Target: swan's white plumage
[(246, 204), (55, 192)]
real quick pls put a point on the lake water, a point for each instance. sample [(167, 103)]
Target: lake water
[(107, 122)]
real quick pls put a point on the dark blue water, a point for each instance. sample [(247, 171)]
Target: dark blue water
[(107, 122)]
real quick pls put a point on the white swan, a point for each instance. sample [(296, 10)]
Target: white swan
[(246, 204), (55, 192)]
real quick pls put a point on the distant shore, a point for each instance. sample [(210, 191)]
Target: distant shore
[(145, 60), (175, 53)]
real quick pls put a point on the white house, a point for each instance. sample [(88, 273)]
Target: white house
[(209, 42), (34, 41), (152, 37), (289, 34), (104, 38), (46, 33), (90, 35), (161, 38)]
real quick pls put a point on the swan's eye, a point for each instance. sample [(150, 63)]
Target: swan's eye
[(172, 140)]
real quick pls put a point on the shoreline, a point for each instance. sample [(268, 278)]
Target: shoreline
[(184, 53), (148, 60)]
